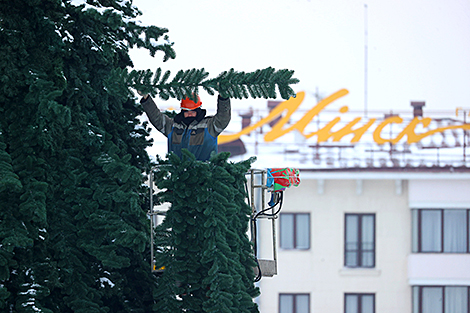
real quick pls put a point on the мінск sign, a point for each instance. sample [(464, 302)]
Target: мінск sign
[(325, 133)]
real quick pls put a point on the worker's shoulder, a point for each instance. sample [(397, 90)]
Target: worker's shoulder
[(205, 121)]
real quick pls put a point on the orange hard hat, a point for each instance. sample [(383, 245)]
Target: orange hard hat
[(188, 104)]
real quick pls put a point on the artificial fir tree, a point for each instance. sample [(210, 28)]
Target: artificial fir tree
[(203, 239), (73, 228), (73, 231)]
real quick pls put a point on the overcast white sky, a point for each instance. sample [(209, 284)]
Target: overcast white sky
[(417, 49)]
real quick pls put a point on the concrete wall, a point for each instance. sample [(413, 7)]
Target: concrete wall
[(425, 193), (451, 269)]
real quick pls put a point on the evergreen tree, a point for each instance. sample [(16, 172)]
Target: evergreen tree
[(203, 241), (73, 228)]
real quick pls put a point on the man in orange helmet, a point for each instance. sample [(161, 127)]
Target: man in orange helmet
[(190, 129)]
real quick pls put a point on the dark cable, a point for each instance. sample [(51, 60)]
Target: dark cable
[(280, 198), (279, 201), (255, 247)]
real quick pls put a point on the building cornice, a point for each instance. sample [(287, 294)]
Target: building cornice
[(402, 173)]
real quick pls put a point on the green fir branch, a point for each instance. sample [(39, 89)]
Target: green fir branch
[(231, 84)]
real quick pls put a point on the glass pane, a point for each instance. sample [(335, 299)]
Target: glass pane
[(367, 243), (351, 259), (352, 246), (301, 303), (430, 231), (415, 299), (286, 304), (456, 300), (303, 231), (367, 232), (352, 237), (455, 230), (287, 231), (367, 259), (352, 305), (367, 303), (352, 222), (432, 300), (414, 218)]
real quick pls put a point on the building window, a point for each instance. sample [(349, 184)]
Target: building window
[(359, 303), (440, 299), (294, 303), (359, 240), (295, 231), (442, 231)]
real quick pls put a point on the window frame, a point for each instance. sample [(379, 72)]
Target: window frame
[(419, 226), (359, 302), (359, 236), (294, 230), (294, 295), (419, 306)]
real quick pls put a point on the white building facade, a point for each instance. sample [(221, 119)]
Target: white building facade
[(372, 241)]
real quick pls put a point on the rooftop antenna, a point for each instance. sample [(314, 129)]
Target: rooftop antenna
[(317, 95), (365, 58)]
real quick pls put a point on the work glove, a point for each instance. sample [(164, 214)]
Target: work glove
[(142, 94), (222, 91)]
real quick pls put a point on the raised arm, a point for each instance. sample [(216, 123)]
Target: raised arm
[(160, 121), (221, 119)]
